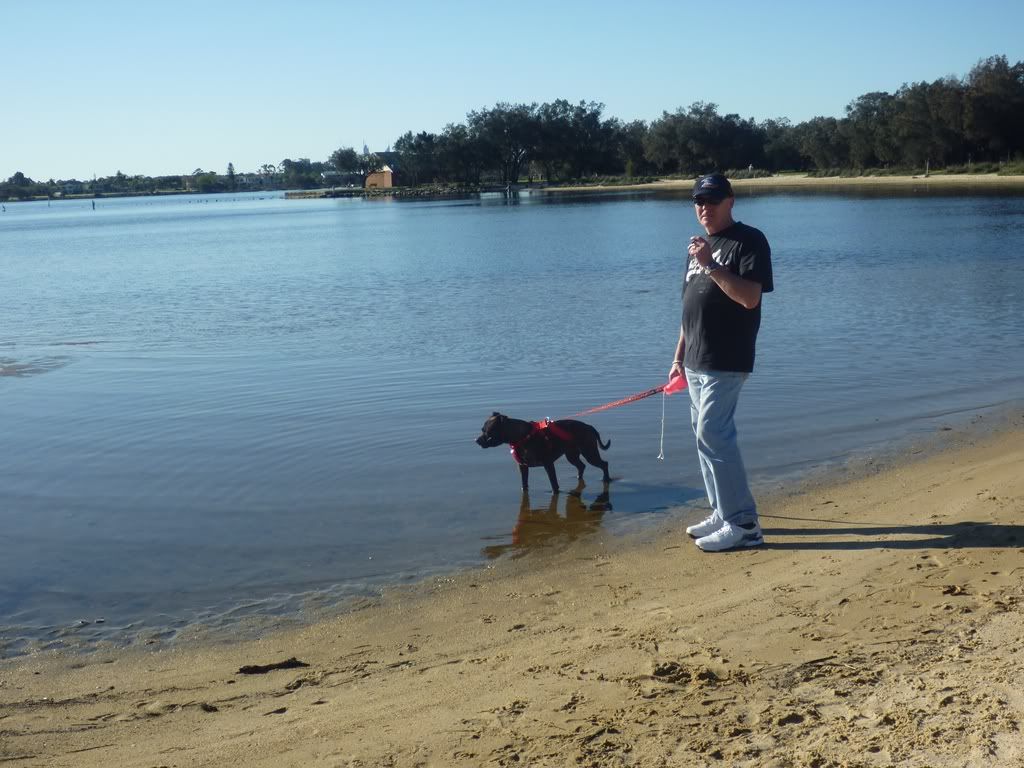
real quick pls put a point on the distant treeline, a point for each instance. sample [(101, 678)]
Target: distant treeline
[(949, 122), (957, 124)]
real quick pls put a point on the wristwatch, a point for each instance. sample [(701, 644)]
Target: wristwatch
[(712, 267)]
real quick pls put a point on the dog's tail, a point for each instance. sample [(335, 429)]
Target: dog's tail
[(604, 446)]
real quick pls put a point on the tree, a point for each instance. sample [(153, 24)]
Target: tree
[(21, 187), (630, 146), (418, 156), (870, 131), (700, 128), (912, 126), (781, 145), (460, 158), (821, 142), (571, 140), (405, 146), (698, 139), (589, 140), (207, 182), (664, 146), (506, 134), (346, 160), (300, 174), (946, 108), (368, 163), (994, 108), (738, 143), (232, 183), (554, 139)]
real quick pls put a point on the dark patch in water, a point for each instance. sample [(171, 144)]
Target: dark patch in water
[(9, 367)]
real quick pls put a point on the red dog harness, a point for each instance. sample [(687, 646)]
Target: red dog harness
[(537, 428)]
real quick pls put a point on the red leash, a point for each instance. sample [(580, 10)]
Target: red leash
[(623, 401), (675, 384)]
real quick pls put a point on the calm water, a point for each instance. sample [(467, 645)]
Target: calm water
[(223, 408)]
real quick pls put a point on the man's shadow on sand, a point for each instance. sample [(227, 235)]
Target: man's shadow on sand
[(543, 526), (965, 534)]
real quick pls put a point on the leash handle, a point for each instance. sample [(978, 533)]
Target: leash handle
[(661, 449)]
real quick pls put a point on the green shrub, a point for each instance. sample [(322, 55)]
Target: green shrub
[(747, 173), (973, 168), (592, 181)]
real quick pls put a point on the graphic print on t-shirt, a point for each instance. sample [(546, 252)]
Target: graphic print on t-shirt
[(693, 268)]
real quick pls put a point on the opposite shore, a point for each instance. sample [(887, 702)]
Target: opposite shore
[(781, 181), (803, 181), (881, 624), (785, 181)]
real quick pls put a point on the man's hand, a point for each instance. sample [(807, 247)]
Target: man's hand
[(700, 250)]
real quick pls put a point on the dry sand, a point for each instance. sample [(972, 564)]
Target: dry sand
[(882, 624), (918, 182)]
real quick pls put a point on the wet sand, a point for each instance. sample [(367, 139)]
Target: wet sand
[(882, 624)]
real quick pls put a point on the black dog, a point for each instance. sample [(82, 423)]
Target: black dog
[(541, 443)]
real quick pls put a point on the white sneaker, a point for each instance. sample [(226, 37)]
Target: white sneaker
[(706, 526), (731, 536)]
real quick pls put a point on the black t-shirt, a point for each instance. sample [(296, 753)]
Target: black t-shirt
[(720, 333)]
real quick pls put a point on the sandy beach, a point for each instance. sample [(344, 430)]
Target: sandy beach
[(882, 624), (802, 181), (939, 179)]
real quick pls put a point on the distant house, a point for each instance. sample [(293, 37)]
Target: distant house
[(382, 179), (251, 180)]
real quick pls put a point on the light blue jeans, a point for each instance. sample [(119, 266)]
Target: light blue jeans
[(713, 399)]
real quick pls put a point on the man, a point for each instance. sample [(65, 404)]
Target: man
[(727, 273)]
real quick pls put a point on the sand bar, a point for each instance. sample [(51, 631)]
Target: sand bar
[(882, 624)]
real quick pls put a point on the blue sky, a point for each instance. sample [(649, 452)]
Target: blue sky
[(92, 87)]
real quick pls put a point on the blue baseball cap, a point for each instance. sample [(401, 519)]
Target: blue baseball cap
[(714, 186)]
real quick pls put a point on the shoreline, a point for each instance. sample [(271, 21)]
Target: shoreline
[(888, 611), (128, 634), (784, 181), (802, 181)]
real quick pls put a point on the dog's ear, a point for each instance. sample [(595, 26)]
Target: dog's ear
[(495, 414)]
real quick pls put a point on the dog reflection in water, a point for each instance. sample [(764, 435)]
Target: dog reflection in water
[(543, 526)]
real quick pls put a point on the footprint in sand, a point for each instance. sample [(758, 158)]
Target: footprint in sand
[(575, 700), (510, 713)]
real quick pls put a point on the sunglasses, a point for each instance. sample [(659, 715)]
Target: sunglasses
[(705, 201)]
